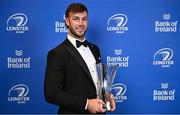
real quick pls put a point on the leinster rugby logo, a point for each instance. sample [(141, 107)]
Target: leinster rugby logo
[(117, 23), (163, 57), (18, 93), (17, 23), (119, 91)]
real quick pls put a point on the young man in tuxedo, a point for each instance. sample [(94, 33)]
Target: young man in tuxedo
[(71, 78)]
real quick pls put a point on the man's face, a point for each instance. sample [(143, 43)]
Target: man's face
[(77, 24)]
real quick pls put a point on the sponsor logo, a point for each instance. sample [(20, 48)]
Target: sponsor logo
[(18, 93), (118, 51), (17, 22), (19, 61), (119, 91), (60, 26), (164, 94), (167, 25), (19, 52), (117, 23), (119, 59), (163, 57)]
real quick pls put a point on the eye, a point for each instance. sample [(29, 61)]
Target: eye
[(84, 19), (75, 18)]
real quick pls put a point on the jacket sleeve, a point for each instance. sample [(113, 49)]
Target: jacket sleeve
[(54, 84)]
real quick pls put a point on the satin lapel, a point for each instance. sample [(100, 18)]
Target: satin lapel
[(72, 50)]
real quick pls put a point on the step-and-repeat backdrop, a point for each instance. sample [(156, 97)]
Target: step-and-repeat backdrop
[(141, 36)]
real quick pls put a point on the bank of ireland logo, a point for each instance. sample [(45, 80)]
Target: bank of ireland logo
[(118, 52), (163, 57), (117, 23), (164, 85), (164, 93), (19, 52), (166, 16), (18, 93), (17, 22), (19, 61), (119, 59), (60, 26), (167, 24), (119, 91)]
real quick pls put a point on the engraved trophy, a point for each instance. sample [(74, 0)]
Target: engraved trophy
[(106, 75)]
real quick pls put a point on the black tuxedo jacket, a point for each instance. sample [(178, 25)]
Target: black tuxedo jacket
[(68, 82)]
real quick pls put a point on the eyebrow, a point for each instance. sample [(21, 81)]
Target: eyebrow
[(79, 17)]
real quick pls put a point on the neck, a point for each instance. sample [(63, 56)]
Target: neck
[(78, 38)]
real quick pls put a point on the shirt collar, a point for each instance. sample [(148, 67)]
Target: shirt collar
[(73, 40)]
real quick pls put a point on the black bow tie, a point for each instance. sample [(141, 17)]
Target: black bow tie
[(78, 43)]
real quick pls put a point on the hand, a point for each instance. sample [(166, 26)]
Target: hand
[(112, 102), (95, 106)]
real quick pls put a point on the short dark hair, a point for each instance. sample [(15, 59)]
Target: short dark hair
[(75, 8)]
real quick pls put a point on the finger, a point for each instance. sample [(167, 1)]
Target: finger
[(113, 105), (112, 108), (111, 96), (100, 101), (101, 110)]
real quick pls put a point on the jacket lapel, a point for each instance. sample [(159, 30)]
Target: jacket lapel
[(72, 50), (95, 52)]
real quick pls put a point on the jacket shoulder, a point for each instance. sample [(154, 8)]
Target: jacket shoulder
[(58, 49), (93, 46)]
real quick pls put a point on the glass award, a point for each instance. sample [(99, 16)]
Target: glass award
[(106, 75)]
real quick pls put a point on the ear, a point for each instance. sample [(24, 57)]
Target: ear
[(67, 21)]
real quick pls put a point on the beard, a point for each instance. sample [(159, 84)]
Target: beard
[(75, 34)]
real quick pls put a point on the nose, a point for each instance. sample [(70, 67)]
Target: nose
[(80, 22)]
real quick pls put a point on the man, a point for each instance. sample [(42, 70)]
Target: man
[(71, 77)]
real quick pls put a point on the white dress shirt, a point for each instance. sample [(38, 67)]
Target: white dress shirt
[(87, 56)]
